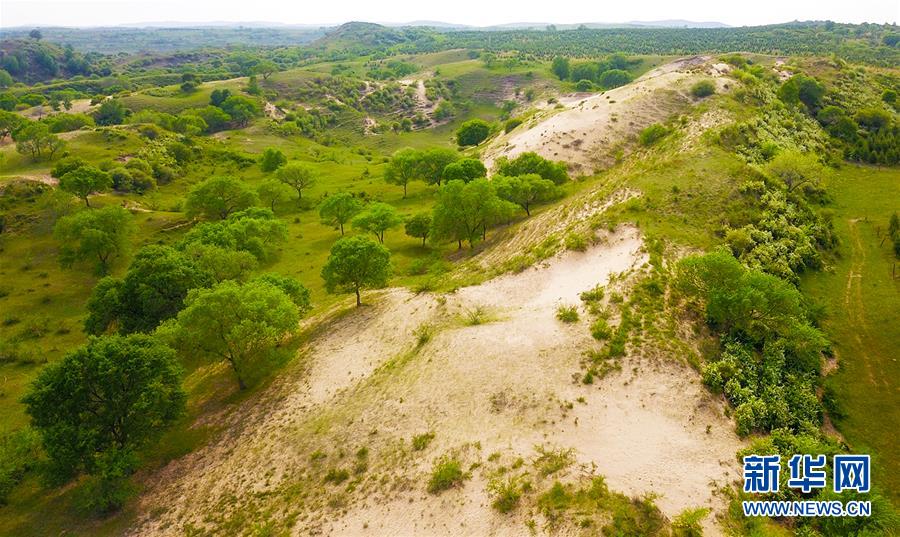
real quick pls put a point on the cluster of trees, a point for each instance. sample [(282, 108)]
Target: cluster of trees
[(771, 352), (609, 73)]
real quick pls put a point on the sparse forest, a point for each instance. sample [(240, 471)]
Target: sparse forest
[(270, 275)]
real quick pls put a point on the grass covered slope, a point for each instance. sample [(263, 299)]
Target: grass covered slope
[(861, 295), (557, 316)]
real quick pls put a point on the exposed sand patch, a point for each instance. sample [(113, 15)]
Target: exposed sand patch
[(499, 384), (587, 130)]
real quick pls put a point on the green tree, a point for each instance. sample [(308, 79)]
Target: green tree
[(84, 181), (560, 67), (35, 139), (153, 290), (100, 235), (273, 191), (464, 170), (272, 159), (298, 176), (5, 79), (241, 109), (338, 209), (265, 68), (802, 89), (356, 263), (378, 218), (9, 123), (296, 291), (473, 132), (419, 226), (253, 230), (530, 162), (403, 167), (464, 211), (238, 323), (218, 96), (8, 101), (433, 162), (111, 112), (103, 401), (794, 169), (526, 190), (219, 197), (614, 78)]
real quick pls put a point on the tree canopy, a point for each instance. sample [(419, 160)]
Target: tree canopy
[(238, 323), (356, 263), (530, 162), (84, 181), (218, 197), (338, 209), (377, 218), (98, 235), (105, 400)]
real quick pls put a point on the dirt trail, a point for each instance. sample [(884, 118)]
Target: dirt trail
[(853, 300), (499, 385), (586, 131)]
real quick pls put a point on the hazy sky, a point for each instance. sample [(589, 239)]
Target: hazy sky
[(473, 12)]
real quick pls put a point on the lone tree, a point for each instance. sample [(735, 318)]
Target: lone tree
[(272, 159), (219, 197), (298, 176), (102, 402), (84, 181), (473, 132), (356, 263), (339, 209), (100, 235), (378, 218), (403, 168), (419, 226), (238, 323), (271, 192), (526, 190), (464, 170)]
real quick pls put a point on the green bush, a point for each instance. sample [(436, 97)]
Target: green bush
[(447, 473), (567, 314), (576, 241), (511, 124), (652, 134), (473, 132), (19, 453), (421, 441), (704, 88), (600, 329), (507, 493)]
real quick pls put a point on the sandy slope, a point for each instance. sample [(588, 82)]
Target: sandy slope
[(585, 131), (498, 387)]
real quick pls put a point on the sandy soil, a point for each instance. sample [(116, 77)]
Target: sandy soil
[(79, 106), (587, 129), (499, 386)]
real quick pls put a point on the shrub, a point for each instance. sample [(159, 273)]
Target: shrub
[(336, 476), (567, 314), (600, 329), (421, 441), (652, 134), (19, 452), (704, 88), (507, 493), (576, 241), (447, 473), (511, 124), (593, 295), (549, 460), (584, 85)]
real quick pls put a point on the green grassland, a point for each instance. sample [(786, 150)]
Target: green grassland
[(861, 293), (687, 196)]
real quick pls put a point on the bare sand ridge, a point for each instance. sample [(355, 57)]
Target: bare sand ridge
[(586, 130), (499, 385)]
